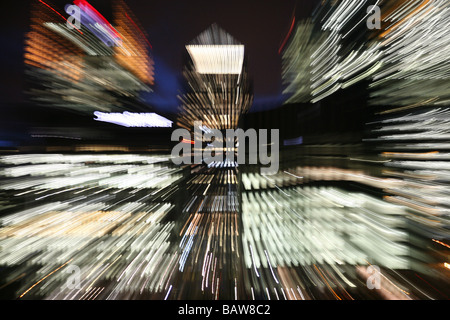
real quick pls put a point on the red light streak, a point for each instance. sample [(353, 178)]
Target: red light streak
[(287, 37)]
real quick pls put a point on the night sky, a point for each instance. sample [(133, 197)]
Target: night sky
[(260, 25)]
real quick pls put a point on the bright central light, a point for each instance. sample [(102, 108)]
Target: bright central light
[(217, 59), (128, 119)]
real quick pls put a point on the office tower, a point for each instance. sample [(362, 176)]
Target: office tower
[(219, 93), (219, 87), (410, 128), (134, 52)]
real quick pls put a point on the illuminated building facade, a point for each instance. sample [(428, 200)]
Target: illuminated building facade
[(403, 69), (220, 90)]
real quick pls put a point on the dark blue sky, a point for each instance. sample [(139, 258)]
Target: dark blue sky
[(170, 25)]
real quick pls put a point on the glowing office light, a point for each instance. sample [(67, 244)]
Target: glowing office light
[(217, 59), (129, 119), (101, 68)]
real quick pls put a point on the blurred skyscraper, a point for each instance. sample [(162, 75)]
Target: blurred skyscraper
[(93, 67)]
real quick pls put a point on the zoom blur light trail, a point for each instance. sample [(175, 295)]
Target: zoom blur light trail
[(210, 240), (326, 53), (410, 127), (109, 217)]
